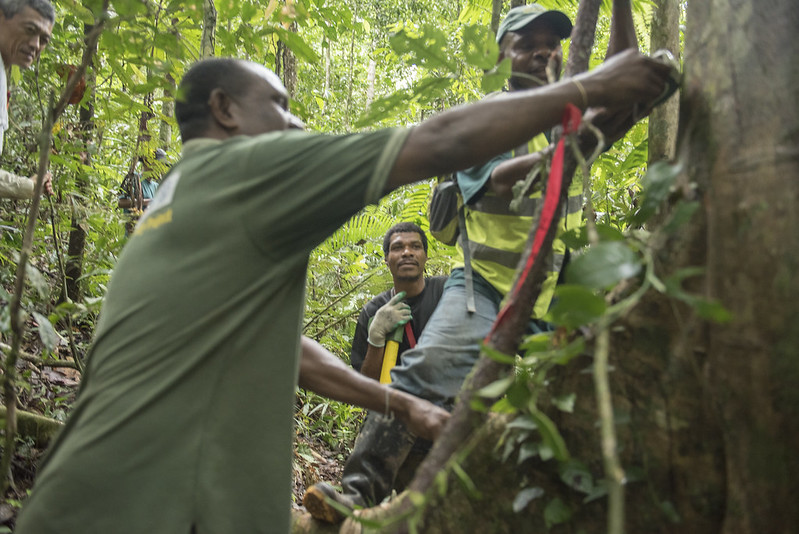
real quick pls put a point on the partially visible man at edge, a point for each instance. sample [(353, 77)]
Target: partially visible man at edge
[(25, 29), (184, 419)]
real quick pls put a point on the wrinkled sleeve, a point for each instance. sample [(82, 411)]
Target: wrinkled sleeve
[(13, 186)]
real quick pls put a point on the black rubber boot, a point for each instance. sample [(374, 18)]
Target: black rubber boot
[(379, 452)]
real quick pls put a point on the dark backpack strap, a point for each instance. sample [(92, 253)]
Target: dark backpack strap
[(467, 262)]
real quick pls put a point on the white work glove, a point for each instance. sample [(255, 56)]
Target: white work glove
[(392, 314)]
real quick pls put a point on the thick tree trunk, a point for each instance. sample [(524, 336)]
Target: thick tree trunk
[(743, 81)]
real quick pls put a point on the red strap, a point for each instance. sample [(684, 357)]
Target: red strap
[(409, 333), (571, 122)]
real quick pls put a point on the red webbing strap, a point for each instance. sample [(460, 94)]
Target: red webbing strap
[(409, 333), (571, 121)]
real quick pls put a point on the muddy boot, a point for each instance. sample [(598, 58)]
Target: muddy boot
[(319, 500), (381, 448)]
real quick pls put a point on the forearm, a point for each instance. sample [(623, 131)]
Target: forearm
[(508, 173), (373, 362), (322, 372), (622, 28), (325, 374), (13, 186)]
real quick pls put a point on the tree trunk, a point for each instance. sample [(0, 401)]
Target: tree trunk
[(496, 13), (664, 34), (167, 112), (289, 62), (209, 29), (744, 157), (73, 266)]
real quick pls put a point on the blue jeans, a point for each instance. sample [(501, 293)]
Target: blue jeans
[(448, 347)]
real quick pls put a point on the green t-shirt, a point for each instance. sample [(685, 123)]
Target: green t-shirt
[(186, 409)]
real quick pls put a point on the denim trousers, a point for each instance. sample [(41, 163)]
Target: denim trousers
[(448, 347)]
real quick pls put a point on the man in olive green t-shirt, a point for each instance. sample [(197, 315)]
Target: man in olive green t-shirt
[(184, 419)]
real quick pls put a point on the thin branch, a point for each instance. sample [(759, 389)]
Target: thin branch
[(338, 299), (40, 362)]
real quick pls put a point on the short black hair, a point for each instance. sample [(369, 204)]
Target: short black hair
[(10, 8), (403, 227), (191, 104)]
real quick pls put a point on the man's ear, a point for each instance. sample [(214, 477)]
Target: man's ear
[(221, 107)]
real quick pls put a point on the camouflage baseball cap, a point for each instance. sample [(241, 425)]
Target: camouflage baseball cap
[(520, 16)]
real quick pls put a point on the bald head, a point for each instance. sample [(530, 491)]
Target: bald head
[(222, 97)]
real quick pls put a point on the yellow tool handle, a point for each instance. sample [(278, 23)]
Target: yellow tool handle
[(389, 361)]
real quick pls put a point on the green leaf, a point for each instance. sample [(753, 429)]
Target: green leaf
[(494, 79), (706, 308), (565, 403), (711, 309), (46, 331), (603, 265), (383, 108), (549, 433), (522, 423), (496, 355), (525, 497), (298, 45), (682, 213), (466, 481), (496, 389), (429, 49), (575, 306), (577, 476), (37, 280), (599, 491), (528, 450), (577, 238), (656, 183), (518, 394), (129, 8), (479, 47), (556, 512)]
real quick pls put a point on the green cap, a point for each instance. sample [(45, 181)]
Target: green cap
[(520, 16)]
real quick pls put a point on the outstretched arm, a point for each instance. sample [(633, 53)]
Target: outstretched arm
[(472, 134), (322, 372)]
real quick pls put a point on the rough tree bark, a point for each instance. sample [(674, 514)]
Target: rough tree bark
[(209, 29), (707, 414), (664, 34)]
